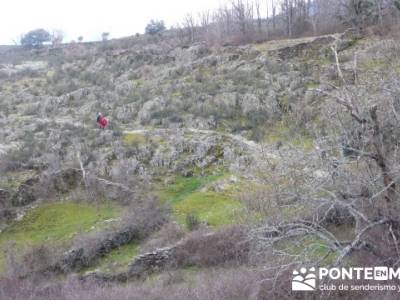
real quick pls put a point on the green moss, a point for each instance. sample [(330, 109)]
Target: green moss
[(311, 85), (12, 180), (55, 223), (117, 260), (374, 64), (182, 187), (186, 197), (135, 139), (304, 142), (210, 207), (130, 139), (138, 82), (282, 133), (355, 41), (176, 95), (312, 247), (284, 103), (325, 60)]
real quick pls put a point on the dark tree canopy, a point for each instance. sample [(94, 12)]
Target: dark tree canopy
[(397, 4), (35, 38), (155, 27)]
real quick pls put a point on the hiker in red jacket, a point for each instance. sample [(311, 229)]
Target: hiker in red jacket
[(102, 121)]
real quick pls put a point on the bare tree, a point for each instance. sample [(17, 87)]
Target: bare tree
[(57, 37), (190, 25), (258, 13), (287, 11), (273, 5)]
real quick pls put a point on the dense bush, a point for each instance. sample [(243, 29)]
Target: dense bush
[(35, 38), (155, 27), (223, 285), (227, 246)]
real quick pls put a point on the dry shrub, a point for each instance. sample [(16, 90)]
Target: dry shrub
[(168, 235), (222, 284), (32, 262), (225, 247), (38, 258), (216, 284)]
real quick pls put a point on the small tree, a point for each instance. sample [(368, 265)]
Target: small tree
[(80, 39), (397, 4), (35, 38), (155, 27)]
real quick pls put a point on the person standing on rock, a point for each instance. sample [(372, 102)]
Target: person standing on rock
[(102, 121)]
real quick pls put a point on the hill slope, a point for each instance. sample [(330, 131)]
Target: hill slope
[(218, 141)]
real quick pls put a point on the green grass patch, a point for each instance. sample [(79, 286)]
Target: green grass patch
[(311, 85), (182, 187), (186, 197), (135, 139), (130, 139), (210, 207), (308, 247), (374, 64), (55, 223), (118, 259), (282, 133)]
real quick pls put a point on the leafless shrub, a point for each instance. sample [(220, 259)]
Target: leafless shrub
[(168, 235), (226, 246), (30, 262), (217, 284)]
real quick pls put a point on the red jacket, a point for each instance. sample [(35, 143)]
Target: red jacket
[(102, 122)]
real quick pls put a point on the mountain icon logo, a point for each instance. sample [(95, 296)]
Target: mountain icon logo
[(305, 280)]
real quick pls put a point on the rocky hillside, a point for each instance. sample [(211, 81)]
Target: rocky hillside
[(204, 147)]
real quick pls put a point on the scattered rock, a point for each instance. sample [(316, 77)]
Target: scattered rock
[(299, 49), (151, 262)]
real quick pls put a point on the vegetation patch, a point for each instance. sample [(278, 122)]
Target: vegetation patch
[(12, 180), (135, 139), (311, 85), (130, 139), (55, 223), (188, 198), (310, 247), (183, 187), (282, 133), (118, 259), (374, 64), (210, 207)]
